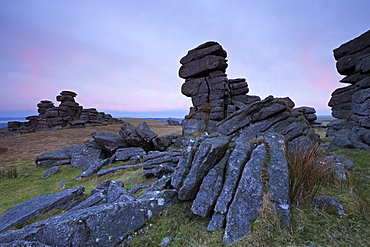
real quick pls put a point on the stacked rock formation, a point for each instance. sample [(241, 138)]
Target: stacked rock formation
[(222, 105), (68, 114), (350, 104), (309, 113), (229, 173), (212, 94)]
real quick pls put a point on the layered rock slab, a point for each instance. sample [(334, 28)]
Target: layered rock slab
[(232, 189), (28, 210), (244, 209), (352, 103)]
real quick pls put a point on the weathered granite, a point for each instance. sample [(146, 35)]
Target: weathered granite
[(351, 103), (28, 210)]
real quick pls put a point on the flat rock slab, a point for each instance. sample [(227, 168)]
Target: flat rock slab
[(28, 210), (124, 154), (210, 188), (109, 141), (58, 157), (330, 204), (244, 209), (116, 168), (23, 243), (86, 157), (209, 153), (51, 171), (239, 156), (279, 176)]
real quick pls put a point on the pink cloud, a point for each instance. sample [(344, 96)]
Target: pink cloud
[(322, 77)]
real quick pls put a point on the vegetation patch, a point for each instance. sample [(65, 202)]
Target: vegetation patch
[(308, 171), (3, 150), (8, 172)]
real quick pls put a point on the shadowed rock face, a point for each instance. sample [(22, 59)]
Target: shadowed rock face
[(222, 105), (352, 103)]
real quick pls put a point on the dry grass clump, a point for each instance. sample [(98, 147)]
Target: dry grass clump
[(3, 150), (308, 171), (267, 230), (8, 172)]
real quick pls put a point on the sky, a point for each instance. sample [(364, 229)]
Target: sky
[(122, 57)]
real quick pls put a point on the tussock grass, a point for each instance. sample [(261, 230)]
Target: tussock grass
[(8, 172), (267, 230), (3, 150), (308, 171)]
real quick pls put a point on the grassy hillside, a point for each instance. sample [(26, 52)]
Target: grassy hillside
[(310, 227)]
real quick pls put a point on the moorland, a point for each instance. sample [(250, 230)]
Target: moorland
[(310, 226)]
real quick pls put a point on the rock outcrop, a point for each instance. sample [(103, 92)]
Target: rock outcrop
[(156, 164), (309, 113), (28, 210), (351, 104), (173, 122), (227, 179), (222, 105), (106, 218), (68, 114)]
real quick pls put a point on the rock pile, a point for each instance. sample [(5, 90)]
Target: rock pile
[(222, 105), (173, 122), (68, 114), (309, 113), (350, 104), (131, 144)]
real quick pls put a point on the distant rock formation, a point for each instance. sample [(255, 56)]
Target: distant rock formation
[(68, 114), (351, 104), (173, 122), (222, 105)]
